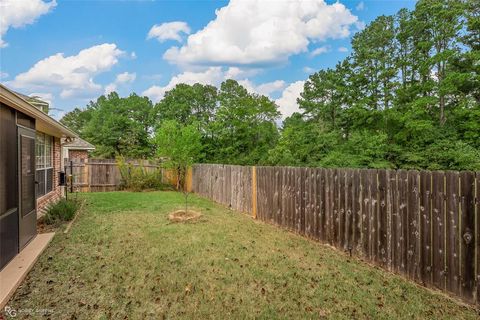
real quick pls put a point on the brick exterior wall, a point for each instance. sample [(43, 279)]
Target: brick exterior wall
[(57, 191), (78, 155)]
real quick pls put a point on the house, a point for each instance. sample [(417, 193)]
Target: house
[(76, 150), (30, 156)]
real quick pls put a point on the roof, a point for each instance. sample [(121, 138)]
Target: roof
[(78, 144), (43, 123), (35, 101)]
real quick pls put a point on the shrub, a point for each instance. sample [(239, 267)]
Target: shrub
[(137, 178), (63, 210)]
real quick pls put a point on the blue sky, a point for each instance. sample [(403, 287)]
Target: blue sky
[(70, 52)]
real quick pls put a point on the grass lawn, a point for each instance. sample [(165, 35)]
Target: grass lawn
[(123, 259)]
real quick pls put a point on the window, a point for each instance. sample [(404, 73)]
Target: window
[(44, 173)]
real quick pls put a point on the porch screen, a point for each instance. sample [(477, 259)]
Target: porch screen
[(44, 172)]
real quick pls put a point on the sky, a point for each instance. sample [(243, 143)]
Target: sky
[(71, 52)]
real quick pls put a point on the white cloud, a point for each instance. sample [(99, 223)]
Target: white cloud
[(239, 73), (169, 31), (109, 88), (342, 49), (121, 78), (320, 50), (308, 70), (260, 32), (71, 75), (125, 77), (133, 55), (287, 103), (3, 75), (19, 13), (360, 6), (270, 87), (265, 89)]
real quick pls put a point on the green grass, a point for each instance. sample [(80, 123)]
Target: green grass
[(124, 259)]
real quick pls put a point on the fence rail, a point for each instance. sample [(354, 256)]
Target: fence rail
[(421, 224), (95, 175)]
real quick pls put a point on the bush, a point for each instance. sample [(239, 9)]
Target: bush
[(137, 178), (63, 210)]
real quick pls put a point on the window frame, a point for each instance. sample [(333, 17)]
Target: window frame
[(44, 163)]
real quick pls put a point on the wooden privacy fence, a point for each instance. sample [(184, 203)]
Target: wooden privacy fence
[(94, 175), (421, 224)]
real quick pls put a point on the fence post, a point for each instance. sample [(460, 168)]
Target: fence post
[(71, 174), (87, 175), (254, 192), (189, 180)]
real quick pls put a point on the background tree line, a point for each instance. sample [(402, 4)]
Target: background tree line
[(408, 96)]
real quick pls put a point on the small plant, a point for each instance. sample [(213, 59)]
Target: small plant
[(63, 210)]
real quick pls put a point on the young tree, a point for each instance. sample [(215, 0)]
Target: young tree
[(180, 146)]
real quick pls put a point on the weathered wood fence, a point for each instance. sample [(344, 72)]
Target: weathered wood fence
[(421, 224), (94, 175)]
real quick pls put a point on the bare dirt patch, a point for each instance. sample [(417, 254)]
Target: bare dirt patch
[(42, 227), (182, 216)]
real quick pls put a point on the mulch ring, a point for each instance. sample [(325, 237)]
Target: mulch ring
[(182, 216)]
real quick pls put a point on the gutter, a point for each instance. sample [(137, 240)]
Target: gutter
[(12, 99)]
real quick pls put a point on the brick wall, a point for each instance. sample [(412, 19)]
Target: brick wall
[(79, 155), (57, 191)]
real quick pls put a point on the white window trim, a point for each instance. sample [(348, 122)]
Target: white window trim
[(46, 168)]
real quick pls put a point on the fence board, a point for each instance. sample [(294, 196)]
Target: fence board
[(278, 195), (313, 203), (297, 194), (322, 230), (426, 227), (261, 193), (306, 199), (318, 203), (453, 241), (438, 229), (413, 257), (391, 187), (329, 205), (467, 243), (395, 222), (382, 218), (270, 189), (356, 211), (341, 236), (373, 215), (367, 235), (349, 209), (293, 181), (403, 221), (477, 233)]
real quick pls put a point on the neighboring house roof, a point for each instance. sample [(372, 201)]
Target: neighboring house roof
[(35, 101), (43, 123), (78, 144)]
